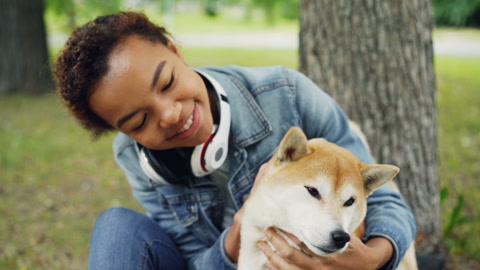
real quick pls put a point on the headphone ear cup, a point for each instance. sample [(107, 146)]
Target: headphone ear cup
[(216, 154), (198, 159)]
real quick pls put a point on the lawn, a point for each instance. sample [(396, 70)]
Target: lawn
[(55, 180), (458, 101)]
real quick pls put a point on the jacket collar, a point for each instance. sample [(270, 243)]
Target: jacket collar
[(249, 124)]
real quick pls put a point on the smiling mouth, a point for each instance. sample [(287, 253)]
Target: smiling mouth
[(187, 125)]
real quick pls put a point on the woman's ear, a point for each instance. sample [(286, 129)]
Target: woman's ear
[(173, 47)]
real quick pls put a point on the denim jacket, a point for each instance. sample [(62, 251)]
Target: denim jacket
[(265, 102)]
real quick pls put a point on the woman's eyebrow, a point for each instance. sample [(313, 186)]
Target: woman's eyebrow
[(157, 73), (124, 119)]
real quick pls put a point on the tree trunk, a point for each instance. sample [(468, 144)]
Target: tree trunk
[(24, 65), (376, 59)]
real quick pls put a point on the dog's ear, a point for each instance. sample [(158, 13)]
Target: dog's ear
[(375, 176), (292, 147)]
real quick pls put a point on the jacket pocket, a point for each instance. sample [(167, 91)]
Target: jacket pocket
[(190, 210), (183, 208)]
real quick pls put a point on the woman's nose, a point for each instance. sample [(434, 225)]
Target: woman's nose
[(169, 114)]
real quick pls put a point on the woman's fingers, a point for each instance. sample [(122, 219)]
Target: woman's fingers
[(297, 242), (275, 260), (288, 253)]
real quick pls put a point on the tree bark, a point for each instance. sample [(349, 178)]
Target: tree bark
[(376, 59), (24, 65)]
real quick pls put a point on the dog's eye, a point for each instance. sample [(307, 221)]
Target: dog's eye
[(314, 192), (349, 202)]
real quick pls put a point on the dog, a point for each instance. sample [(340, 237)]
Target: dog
[(315, 190)]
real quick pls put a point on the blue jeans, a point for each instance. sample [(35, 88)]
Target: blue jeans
[(126, 239)]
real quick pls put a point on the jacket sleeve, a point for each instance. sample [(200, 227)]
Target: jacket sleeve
[(388, 215), (197, 254)]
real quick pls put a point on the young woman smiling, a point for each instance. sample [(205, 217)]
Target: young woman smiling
[(122, 73)]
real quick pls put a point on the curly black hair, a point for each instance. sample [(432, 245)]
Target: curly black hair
[(84, 61)]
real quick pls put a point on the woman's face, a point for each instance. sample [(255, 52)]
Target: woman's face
[(151, 95)]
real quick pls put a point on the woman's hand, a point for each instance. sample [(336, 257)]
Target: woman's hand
[(232, 239), (371, 255)]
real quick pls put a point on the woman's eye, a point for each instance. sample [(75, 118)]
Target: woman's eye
[(142, 124), (169, 84), (313, 192)]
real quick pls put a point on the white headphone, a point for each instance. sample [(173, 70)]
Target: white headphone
[(205, 158), (210, 155)]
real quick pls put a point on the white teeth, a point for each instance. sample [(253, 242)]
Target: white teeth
[(187, 125)]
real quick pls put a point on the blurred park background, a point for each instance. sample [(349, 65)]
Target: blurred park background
[(55, 181)]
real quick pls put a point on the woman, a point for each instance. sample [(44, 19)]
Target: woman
[(123, 73)]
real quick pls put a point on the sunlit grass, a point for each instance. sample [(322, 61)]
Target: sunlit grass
[(467, 34), (244, 57)]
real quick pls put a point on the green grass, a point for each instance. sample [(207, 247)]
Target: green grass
[(55, 181), (459, 143), (244, 57)]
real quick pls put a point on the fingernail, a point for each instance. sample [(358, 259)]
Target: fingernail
[(260, 246)]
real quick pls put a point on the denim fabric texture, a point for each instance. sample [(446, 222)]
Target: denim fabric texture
[(126, 239), (265, 103)]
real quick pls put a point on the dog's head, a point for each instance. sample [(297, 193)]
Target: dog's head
[(320, 190)]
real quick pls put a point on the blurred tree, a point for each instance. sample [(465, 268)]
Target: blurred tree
[(474, 19), (168, 12), (269, 8), (76, 12), (288, 9), (457, 13), (376, 59), (210, 7), (64, 9), (24, 65)]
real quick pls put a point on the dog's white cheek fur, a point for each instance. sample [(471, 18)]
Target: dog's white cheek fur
[(309, 219), (352, 215)]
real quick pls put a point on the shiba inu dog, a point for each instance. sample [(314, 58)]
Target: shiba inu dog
[(314, 190)]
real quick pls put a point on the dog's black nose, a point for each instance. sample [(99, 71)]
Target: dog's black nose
[(340, 238)]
